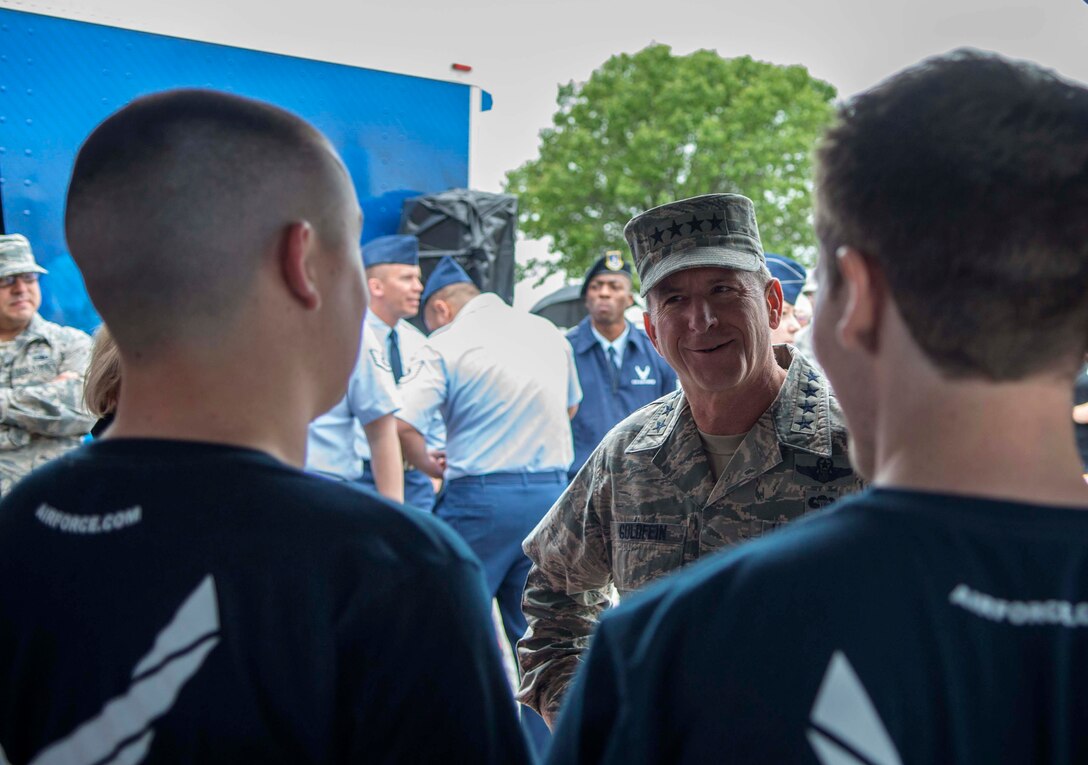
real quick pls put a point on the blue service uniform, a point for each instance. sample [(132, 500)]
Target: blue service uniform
[(607, 398), (502, 381), (332, 439), (418, 489)]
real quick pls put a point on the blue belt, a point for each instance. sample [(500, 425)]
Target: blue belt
[(512, 479)]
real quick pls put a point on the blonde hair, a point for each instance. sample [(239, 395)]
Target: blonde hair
[(102, 385)]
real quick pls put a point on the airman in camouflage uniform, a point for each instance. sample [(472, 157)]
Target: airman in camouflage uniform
[(647, 502), (41, 371)]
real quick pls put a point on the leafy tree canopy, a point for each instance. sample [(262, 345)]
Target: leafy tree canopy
[(652, 127)]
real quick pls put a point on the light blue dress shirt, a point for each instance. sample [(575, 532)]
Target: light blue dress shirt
[(502, 380), (331, 443), (411, 341), (616, 345)]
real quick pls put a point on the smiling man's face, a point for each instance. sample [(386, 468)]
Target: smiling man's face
[(713, 326), (19, 302)]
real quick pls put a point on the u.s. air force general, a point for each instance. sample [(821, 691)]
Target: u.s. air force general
[(753, 440)]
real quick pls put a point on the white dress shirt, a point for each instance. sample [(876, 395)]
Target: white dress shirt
[(502, 380)]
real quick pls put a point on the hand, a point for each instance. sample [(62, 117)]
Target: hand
[(439, 457)]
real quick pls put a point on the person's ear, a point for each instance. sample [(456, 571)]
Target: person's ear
[(651, 331), (773, 296), (859, 325), (375, 285), (437, 306), (297, 256)]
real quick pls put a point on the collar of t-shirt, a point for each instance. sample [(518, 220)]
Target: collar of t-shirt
[(720, 449), (618, 344)]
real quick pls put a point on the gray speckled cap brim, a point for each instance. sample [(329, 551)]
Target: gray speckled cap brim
[(699, 257)]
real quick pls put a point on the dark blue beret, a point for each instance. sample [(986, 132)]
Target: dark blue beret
[(398, 248), (791, 273), (611, 262), (447, 272)]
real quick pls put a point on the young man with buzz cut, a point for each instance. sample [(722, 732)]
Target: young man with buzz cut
[(181, 591), (942, 615)]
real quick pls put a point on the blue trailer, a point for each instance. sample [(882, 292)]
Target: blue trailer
[(401, 136)]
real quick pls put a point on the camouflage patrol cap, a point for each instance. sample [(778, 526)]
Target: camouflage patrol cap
[(710, 230), (16, 257)]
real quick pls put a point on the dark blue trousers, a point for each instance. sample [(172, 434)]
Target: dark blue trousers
[(494, 513)]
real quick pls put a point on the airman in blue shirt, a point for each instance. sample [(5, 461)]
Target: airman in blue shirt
[(618, 367), (505, 384), (392, 275)]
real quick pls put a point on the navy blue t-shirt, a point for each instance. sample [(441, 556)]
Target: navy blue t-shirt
[(899, 627), (177, 602)]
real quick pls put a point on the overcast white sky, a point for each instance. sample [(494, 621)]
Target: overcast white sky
[(520, 50)]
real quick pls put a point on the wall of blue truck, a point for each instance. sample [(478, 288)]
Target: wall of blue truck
[(399, 135)]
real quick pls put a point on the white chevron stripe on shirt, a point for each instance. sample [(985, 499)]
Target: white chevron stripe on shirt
[(844, 711), (180, 648)]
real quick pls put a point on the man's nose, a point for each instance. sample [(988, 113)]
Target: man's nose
[(702, 316)]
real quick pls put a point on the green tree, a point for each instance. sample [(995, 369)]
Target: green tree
[(652, 127)]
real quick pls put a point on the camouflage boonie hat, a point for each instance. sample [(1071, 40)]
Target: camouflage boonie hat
[(16, 257), (711, 230)]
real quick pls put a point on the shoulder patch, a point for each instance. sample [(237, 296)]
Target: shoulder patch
[(378, 359)]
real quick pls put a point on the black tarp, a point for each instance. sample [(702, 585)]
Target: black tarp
[(476, 228), (564, 308)]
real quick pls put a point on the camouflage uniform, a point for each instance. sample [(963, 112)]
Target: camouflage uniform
[(646, 503), (41, 417)]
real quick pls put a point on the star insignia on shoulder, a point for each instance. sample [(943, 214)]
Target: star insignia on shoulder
[(812, 376), (808, 408), (811, 390)]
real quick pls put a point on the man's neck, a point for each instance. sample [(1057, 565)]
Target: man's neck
[(1008, 440), (732, 412), (611, 331), (382, 312), (8, 333), (190, 401)]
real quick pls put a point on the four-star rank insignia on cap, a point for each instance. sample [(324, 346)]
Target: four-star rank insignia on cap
[(613, 261)]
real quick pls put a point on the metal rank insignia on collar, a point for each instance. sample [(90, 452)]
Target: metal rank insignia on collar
[(806, 405)]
